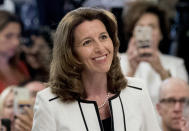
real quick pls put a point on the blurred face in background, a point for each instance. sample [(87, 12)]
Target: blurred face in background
[(151, 20), (34, 87), (10, 39), (8, 111), (38, 54), (171, 105)]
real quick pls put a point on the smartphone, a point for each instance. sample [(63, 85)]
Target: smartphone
[(143, 36), (6, 123), (21, 99)]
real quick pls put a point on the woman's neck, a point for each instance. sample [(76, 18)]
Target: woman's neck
[(95, 84), (96, 89)]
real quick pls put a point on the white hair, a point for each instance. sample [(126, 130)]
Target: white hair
[(3, 97), (169, 83)]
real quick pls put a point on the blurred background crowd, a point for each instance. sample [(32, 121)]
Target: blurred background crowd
[(26, 42)]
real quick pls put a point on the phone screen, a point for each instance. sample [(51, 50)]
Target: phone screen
[(21, 99), (143, 36)]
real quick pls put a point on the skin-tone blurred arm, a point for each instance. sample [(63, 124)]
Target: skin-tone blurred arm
[(133, 57), (154, 61), (24, 121)]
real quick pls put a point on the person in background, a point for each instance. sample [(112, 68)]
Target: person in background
[(23, 122), (185, 120), (37, 53), (173, 94), (147, 62), (12, 70), (86, 81), (34, 87), (6, 105), (19, 122)]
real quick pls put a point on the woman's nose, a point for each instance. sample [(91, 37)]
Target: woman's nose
[(16, 41), (98, 45)]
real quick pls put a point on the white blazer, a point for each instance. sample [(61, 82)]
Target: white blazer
[(152, 79), (131, 110)]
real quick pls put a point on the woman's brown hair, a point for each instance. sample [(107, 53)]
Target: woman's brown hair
[(65, 71)]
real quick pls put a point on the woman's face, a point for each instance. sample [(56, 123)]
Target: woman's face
[(10, 39), (8, 111), (38, 54), (152, 21), (93, 46)]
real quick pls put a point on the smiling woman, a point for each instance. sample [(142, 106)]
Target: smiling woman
[(86, 81), (94, 46)]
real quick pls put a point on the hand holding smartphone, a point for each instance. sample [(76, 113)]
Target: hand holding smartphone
[(21, 99)]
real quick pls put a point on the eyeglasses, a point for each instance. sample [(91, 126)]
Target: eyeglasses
[(171, 101), (186, 104)]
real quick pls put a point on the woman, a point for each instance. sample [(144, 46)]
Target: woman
[(155, 66), (12, 70), (18, 122), (87, 90), (6, 105), (23, 121), (37, 56)]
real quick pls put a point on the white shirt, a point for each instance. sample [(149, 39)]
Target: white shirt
[(152, 79)]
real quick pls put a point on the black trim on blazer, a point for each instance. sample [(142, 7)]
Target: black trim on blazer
[(86, 101), (83, 116), (135, 87), (123, 113), (98, 115), (53, 98), (112, 117), (97, 111), (115, 96)]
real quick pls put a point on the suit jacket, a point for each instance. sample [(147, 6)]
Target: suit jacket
[(152, 79), (131, 110)]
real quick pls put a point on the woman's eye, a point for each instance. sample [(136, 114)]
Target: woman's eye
[(9, 36), (104, 37), (86, 43), (9, 106)]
